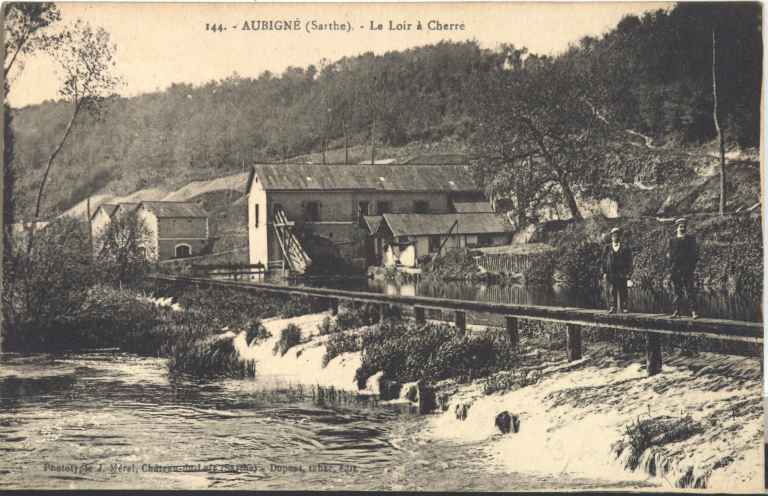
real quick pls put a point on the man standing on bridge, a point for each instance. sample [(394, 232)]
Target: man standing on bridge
[(683, 253), (617, 269)]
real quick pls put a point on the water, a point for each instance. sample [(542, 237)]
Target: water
[(105, 421), (711, 304)]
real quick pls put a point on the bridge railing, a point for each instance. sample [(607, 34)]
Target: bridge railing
[(652, 326)]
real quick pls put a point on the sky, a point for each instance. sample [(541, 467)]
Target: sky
[(160, 44)]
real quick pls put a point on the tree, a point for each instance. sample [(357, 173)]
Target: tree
[(539, 116), (23, 24), (57, 276), (85, 56), (716, 119), (123, 251)]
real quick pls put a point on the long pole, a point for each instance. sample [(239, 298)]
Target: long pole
[(717, 123)]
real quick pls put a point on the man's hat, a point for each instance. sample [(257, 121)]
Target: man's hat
[(616, 230), (681, 220)]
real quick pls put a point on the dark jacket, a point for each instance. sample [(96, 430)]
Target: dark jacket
[(683, 253), (617, 264)]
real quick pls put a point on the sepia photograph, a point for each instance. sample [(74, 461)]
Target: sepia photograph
[(461, 246)]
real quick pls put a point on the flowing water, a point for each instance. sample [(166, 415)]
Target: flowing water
[(110, 421)]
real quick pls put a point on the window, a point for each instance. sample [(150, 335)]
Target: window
[(484, 240), (383, 207), (362, 209), (311, 212), (141, 251), (256, 215), (421, 207), (434, 243), (183, 251)]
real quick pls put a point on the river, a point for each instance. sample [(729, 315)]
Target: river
[(111, 420), (711, 304)]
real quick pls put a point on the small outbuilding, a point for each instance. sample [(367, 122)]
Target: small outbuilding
[(404, 239)]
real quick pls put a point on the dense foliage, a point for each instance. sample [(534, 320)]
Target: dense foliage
[(406, 352), (650, 74)]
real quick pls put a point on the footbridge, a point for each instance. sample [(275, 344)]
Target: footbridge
[(653, 326)]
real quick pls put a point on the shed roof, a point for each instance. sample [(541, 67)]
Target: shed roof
[(377, 177), (175, 209), (429, 224), (472, 207)]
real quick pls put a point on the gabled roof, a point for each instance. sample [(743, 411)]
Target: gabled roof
[(174, 209), (372, 222), (377, 177), (472, 207), (108, 208), (429, 224)]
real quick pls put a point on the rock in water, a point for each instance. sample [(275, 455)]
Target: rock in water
[(462, 410), (507, 422)]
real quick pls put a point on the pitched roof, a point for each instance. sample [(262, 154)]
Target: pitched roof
[(372, 222), (377, 177), (472, 207), (175, 209), (108, 208), (428, 224)]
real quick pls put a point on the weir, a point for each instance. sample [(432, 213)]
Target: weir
[(651, 325)]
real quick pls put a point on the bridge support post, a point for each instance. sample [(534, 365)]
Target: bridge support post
[(573, 342), (420, 314), (653, 353), (382, 312), (514, 338), (333, 304), (461, 320)]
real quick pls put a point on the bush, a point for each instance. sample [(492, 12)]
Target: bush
[(355, 316), (431, 352), (541, 270), (289, 337), (456, 264), (256, 332), (339, 343), (580, 265), (327, 326)]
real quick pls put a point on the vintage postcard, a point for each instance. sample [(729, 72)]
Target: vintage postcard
[(383, 246)]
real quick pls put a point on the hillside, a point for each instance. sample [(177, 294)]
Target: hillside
[(423, 100)]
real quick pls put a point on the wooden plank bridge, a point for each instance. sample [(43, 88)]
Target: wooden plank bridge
[(651, 325)]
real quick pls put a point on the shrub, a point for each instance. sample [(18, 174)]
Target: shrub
[(256, 332), (355, 316), (289, 337), (339, 343), (431, 352), (541, 270), (580, 264), (327, 326)]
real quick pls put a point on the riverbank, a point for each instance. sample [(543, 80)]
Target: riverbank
[(577, 419)]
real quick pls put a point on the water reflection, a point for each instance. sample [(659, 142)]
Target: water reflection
[(711, 303)]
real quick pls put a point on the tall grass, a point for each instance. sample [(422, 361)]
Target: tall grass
[(211, 358)]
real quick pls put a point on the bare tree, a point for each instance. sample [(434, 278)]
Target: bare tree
[(86, 58), (716, 118)]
